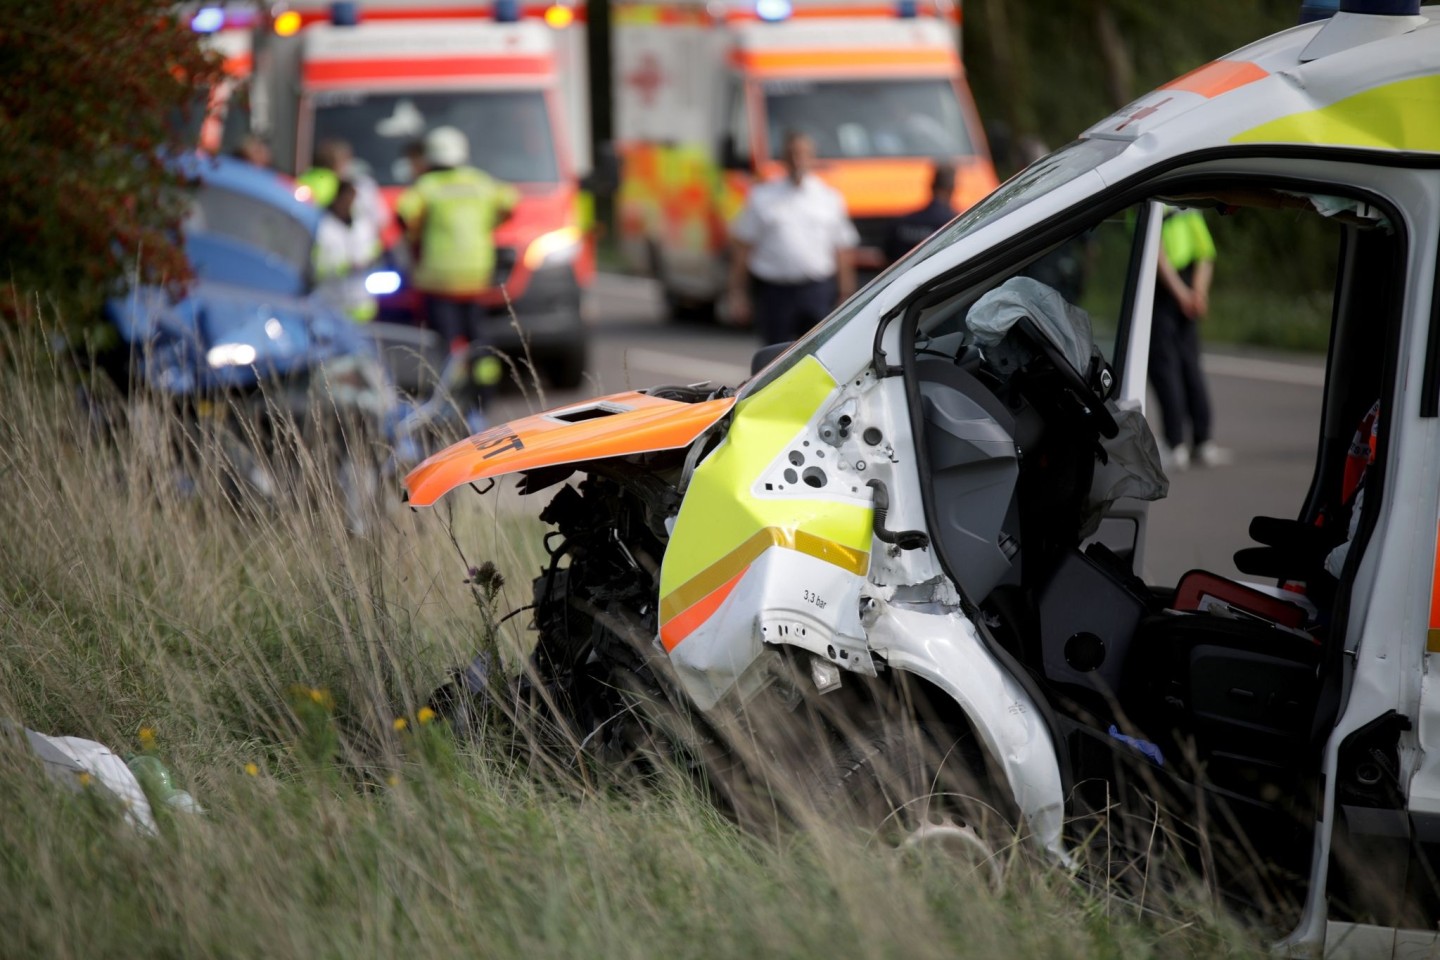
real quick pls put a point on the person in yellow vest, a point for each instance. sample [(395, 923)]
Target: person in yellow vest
[(320, 183), (450, 215), (1182, 298), (346, 247)]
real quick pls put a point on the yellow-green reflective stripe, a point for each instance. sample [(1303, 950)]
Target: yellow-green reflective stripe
[(720, 513), (1404, 115)]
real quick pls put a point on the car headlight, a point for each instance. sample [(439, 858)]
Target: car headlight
[(382, 282), (553, 249), (230, 355)]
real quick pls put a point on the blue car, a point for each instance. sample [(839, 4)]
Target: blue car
[(251, 314)]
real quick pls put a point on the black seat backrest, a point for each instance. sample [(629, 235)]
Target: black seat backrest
[(973, 469)]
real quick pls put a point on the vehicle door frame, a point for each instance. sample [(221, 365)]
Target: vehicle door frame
[(1275, 167)]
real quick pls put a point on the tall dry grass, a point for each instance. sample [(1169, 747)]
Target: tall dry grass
[(276, 661)]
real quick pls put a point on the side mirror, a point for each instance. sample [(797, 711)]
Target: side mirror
[(764, 355), (730, 156)]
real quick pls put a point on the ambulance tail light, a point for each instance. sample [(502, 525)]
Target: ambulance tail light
[(207, 20), (772, 11), (507, 11), (345, 13)]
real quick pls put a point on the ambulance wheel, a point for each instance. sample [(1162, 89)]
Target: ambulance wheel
[(566, 369), (924, 790)]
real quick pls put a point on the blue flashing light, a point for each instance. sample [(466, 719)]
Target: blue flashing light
[(207, 20), (507, 11), (382, 283), (345, 13), (907, 9), (1312, 10), (1381, 8), (772, 11)]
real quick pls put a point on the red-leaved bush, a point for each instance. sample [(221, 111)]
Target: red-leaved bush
[(95, 93)]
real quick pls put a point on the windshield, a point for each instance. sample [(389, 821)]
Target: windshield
[(1041, 177), (509, 130), (869, 118), (220, 212)]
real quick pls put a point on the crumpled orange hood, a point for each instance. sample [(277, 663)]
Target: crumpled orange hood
[(615, 426)]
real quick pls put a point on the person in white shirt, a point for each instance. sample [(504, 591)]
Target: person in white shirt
[(346, 246), (793, 250)]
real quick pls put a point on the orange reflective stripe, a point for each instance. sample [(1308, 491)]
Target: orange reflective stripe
[(890, 61), (689, 605), (681, 626), (627, 424), (1217, 77)]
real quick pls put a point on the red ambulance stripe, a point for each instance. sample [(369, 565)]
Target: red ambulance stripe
[(1432, 643), (347, 71)]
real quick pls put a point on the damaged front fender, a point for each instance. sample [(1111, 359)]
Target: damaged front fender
[(945, 650)]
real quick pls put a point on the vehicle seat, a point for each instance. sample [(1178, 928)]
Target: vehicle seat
[(1242, 689), (973, 461)]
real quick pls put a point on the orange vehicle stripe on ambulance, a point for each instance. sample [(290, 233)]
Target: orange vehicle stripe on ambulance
[(850, 59), (1217, 77), (689, 605)]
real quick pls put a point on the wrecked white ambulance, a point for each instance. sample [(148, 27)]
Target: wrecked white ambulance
[(929, 514)]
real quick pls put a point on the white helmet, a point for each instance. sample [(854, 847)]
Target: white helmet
[(446, 147)]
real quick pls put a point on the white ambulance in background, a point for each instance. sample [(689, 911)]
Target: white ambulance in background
[(381, 74), (705, 92)]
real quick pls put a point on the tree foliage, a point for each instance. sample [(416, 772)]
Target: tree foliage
[(1042, 73), (93, 97)]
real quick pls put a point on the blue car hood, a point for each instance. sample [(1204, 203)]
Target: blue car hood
[(175, 344)]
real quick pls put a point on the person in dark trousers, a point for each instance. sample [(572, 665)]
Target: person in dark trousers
[(1182, 298), (910, 230), (451, 213), (793, 250)]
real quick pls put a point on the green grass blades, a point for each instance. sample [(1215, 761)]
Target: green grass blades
[(278, 664)]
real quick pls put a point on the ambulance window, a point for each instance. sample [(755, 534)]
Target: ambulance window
[(869, 118), (1042, 176), (509, 130), (1090, 270)]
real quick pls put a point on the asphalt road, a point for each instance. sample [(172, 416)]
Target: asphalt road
[(1267, 410)]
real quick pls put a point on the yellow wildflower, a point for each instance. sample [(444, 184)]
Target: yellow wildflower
[(147, 738), (322, 697), (426, 715), (393, 780), (252, 769), (84, 778), (400, 724)]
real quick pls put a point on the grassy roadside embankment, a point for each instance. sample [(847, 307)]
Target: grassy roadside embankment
[(277, 663)]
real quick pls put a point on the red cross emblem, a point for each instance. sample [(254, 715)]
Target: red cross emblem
[(647, 78), (1142, 113)]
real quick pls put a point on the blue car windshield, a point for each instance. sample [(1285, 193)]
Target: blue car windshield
[(237, 217)]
